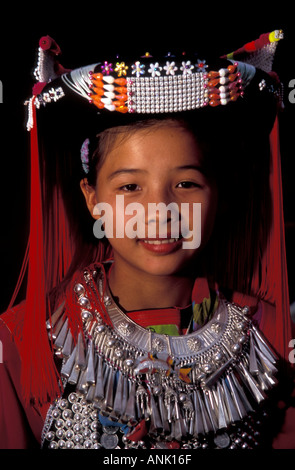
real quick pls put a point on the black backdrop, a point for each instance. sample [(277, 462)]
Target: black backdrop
[(90, 31)]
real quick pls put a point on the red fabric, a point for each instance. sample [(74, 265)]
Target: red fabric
[(250, 46), (40, 379), (171, 316), (20, 424), (273, 286), (163, 316), (48, 44)]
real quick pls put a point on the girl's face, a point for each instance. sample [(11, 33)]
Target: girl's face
[(158, 165)]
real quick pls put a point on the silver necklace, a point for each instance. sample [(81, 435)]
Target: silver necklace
[(183, 386)]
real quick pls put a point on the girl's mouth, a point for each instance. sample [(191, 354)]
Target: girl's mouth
[(161, 246)]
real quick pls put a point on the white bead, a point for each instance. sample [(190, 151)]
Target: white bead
[(223, 72), (223, 89), (106, 101), (108, 79), (110, 107), (223, 101), (110, 94), (223, 80), (109, 87)]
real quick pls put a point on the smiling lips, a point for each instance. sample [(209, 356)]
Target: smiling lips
[(161, 245)]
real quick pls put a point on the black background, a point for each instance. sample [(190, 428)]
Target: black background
[(87, 32)]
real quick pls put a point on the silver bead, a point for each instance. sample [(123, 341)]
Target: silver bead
[(129, 362), (53, 445), (119, 353), (50, 436), (236, 348), (69, 445), (63, 404), (107, 301), (242, 325), (111, 342), (56, 413), (86, 315), (157, 390), (218, 357), (67, 414), (243, 339), (207, 368), (100, 329), (182, 397), (84, 302), (60, 433), (79, 289), (246, 311)]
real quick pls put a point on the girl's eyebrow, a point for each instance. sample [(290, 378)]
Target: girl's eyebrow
[(137, 170), (125, 170), (191, 167)]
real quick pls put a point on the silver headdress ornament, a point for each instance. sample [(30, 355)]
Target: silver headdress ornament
[(149, 86)]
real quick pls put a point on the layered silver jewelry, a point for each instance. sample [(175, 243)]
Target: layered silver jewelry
[(164, 391)]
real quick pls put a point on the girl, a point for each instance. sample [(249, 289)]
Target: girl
[(154, 346)]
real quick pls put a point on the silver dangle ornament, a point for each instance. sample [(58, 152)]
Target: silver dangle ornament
[(201, 390)]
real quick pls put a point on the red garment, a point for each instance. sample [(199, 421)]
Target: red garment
[(21, 426)]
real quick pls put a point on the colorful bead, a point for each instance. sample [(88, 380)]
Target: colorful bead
[(187, 67), (98, 91), (201, 64), (213, 74), (121, 89), (164, 90), (121, 81), (107, 68), (97, 76), (97, 83), (138, 69), (232, 68), (214, 103), (155, 69), (121, 68), (122, 97), (122, 109), (170, 68), (213, 82)]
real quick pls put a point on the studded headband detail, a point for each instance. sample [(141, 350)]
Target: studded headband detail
[(149, 86)]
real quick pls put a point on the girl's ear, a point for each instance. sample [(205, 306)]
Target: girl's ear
[(90, 196)]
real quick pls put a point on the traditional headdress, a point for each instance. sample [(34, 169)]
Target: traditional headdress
[(119, 91)]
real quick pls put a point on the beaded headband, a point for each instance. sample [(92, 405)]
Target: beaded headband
[(148, 86)]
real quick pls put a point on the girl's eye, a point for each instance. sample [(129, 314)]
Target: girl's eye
[(188, 185), (130, 187)]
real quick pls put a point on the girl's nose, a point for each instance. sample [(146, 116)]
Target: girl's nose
[(162, 215)]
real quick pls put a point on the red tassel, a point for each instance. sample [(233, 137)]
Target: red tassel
[(40, 379), (275, 264)]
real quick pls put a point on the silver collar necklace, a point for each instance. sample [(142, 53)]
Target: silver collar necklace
[(184, 387)]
